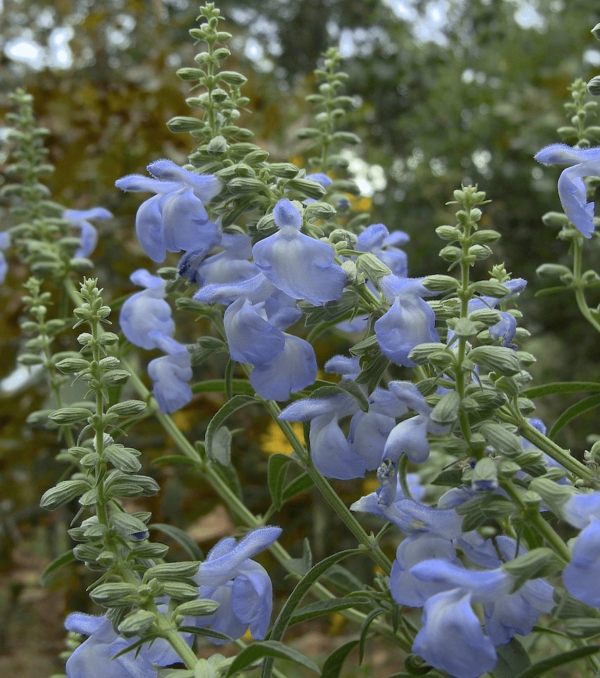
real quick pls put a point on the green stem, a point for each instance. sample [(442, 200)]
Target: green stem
[(579, 286), (548, 446)]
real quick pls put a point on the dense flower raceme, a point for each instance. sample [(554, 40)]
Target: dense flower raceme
[(584, 162), (428, 573), (175, 219), (89, 236), (146, 322), (94, 657), (241, 586), (4, 244), (373, 435), (409, 322), (228, 576)]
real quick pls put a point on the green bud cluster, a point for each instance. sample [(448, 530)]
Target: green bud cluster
[(43, 238)]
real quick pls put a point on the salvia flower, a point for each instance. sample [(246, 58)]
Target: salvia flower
[(4, 244), (584, 162), (581, 576), (89, 235), (377, 239), (94, 657), (175, 218), (409, 322), (170, 374), (451, 638), (506, 328), (146, 313), (241, 586), (296, 264)]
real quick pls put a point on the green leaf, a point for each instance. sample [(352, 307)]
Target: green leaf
[(345, 387), (512, 659), (302, 588), (322, 607), (299, 484), (559, 387), (333, 664), (230, 477), (55, 565), (271, 649), (174, 459), (209, 633), (562, 659), (221, 446), (574, 411), (231, 406), (182, 538), (278, 466), (239, 386), (364, 630)]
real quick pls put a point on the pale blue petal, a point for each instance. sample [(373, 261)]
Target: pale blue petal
[(368, 435), (254, 289), (409, 322), (343, 365), (142, 314), (320, 178), (185, 223), (573, 196), (290, 371), (486, 586), (170, 375), (205, 186), (285, 214), (451, 638), (251, 338), (149, 229), (330, 451), (300, 266), (138, 183), (83, 215), (562, 154), (405, 588), (580, 509), (581, 576), (218, 570), (309, 408), (408, 437)]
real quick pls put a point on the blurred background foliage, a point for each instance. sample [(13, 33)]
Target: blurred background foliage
[(446, 91)]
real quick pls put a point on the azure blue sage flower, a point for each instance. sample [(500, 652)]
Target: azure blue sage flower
[(4, 244), (170, 374), (451, 638), (146, 313), (584, 162), (409, 322), (89, 235), (175, 218), (581, 576), (384, 245), (296, 264), (94, 657), (241, 586)]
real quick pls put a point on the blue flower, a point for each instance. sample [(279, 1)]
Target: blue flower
[(94, 657), (296, 264), (4, 244), (175, 218), (452, 639), (585, 162), (231, 265), (405, 588), (170, 374), (581, 576), (506, 327), (241, 586), (378, 240), (147, 312), (89, 235), (409, 322), (289, 371)]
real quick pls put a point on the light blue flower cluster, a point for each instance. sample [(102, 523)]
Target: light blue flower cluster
[(373, 435), (428, 573), (228, 576), (146, 322)]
